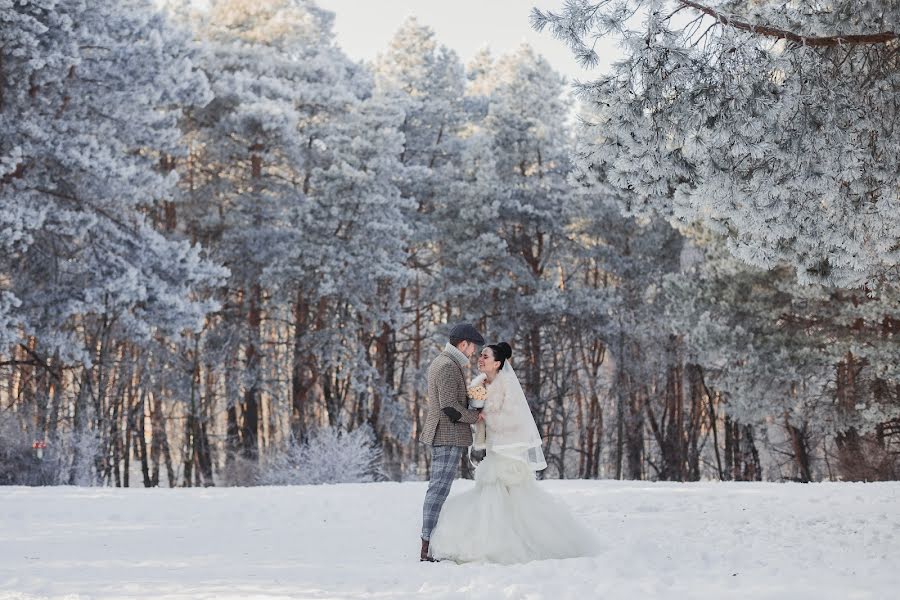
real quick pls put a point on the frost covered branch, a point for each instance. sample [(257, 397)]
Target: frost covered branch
[(789, 152), (806, 40)]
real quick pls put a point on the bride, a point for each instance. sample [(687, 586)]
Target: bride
[(507, 517)]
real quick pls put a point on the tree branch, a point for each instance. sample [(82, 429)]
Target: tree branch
[(826, 41), (15, 363)]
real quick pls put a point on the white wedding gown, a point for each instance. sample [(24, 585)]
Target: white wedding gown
[(507, 517)]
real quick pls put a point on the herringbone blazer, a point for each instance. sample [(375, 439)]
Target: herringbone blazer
[(447, 387)]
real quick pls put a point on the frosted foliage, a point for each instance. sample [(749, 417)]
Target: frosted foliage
[(292, 183), (79, 463), (424, 82), (68, 458), (329, 456), (299, 154), (89, 101), (776, 347), (277, 24), (635, 256), (8, 319), (18, 463), (789, 150), (503, 232), (395, 418)]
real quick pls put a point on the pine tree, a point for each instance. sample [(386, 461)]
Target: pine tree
[(90, 97), (771, 123), (292, 185), (86, 114)]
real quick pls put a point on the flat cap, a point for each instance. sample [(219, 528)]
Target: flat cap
[(465, 331)]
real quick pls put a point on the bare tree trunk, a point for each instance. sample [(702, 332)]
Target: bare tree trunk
[(728, 473), (634, 435), (863, 457), (232, 431), (130, 394), (80, 424), (696, 429), (563, 438), (188, 451), (56, 395), (299, 384), (167, 456), (741, 455), (141, 441), (669, 431), (799, 444), (752, 470), (533, 391), (622, 383), (713, 423), (597, 410), (116, 441), (201, 436), (155, 443), (129, 427), (250, 405), (593, 356), (159, 449), (585, 441), (386, 364), (189, 442)]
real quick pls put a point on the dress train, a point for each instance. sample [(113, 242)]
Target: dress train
[(507, 518)]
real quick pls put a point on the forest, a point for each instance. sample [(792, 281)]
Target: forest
[(228, 252)]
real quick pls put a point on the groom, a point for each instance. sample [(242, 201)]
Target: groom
[(446, 427)]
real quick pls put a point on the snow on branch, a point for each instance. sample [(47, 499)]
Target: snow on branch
[(766, 30)]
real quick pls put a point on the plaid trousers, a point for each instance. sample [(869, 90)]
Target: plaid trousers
[(444, 462)]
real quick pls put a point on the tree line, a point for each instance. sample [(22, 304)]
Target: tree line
[(227, 248)]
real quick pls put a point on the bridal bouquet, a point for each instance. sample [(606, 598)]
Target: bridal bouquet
[(476, 392)]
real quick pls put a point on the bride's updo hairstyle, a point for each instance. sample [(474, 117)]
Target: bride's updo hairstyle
[(502, 352)]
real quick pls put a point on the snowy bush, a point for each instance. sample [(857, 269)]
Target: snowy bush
[(68, 459), (77, 458), (331, 455), (19, 464)]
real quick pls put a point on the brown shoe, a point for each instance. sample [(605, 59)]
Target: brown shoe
[(423, 556)]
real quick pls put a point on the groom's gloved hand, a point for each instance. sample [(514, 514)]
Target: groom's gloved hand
[(452, 414)]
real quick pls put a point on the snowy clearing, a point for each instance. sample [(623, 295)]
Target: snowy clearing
[(361, 541)]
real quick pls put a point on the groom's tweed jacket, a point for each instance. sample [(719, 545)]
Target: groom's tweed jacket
[(447, 387)]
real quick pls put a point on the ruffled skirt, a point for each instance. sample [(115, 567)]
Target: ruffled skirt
[(507, 518)]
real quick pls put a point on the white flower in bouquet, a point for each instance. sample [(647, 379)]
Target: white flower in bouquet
[(477, 392)]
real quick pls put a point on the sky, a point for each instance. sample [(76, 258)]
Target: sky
[(364, 27)]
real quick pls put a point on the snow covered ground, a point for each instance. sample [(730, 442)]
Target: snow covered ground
[(671, 541)]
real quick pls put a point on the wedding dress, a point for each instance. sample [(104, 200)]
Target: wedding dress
[(507, 517)]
